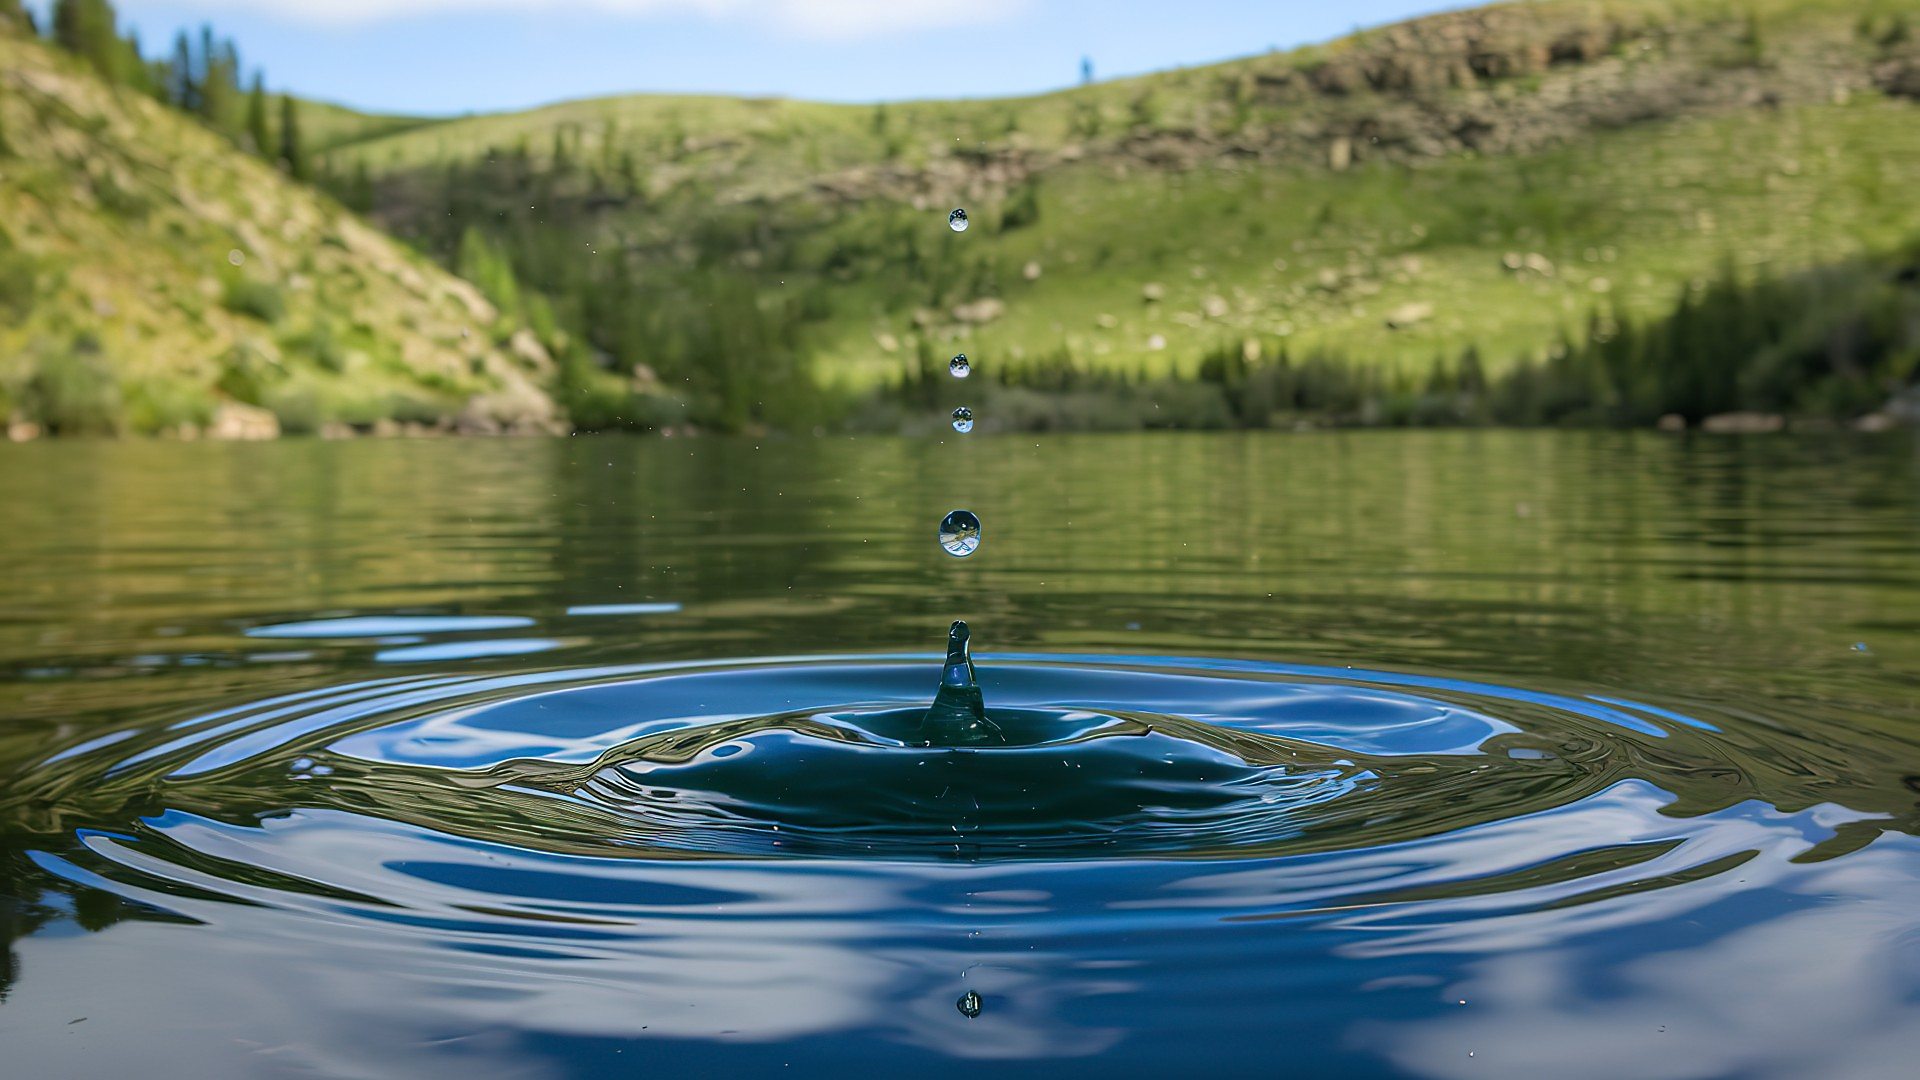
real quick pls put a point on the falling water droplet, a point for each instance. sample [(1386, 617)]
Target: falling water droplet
[(236, 257), (969, 1004), (963, 419), (960, 533), (957, 221), (960, 366)]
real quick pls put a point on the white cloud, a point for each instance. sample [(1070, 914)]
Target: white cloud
[(832, 19)]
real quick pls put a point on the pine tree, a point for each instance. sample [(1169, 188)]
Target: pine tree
[(85, 28), (360, 197), (183, 88), (257, 117), (486, 266), (293, 154), (132, 64), (219, 81)]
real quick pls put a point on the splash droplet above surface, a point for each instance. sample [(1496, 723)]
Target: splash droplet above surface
[(960, 533), (969, 1004), (963, 419), (960, 366), (957, 221)]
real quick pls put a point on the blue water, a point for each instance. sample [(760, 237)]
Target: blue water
[(1472, 755)]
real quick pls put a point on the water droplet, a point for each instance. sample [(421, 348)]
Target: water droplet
[(960, 533), (960, 366), (957, 221), (963, 419), (236, 256), (969, 1004), (1861, 647)]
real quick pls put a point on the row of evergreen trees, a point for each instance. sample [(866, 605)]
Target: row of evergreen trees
[(1831, 344), (650, 325), (202, 76)]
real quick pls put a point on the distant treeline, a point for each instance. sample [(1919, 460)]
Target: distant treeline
[(202, 75), (705, 344), (667, 306), (1831, 344)]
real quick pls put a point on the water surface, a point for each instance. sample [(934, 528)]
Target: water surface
[(1398, 754)]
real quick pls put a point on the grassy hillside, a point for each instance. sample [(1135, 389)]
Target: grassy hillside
[(1483, 178), (327, 125), (155, 279)]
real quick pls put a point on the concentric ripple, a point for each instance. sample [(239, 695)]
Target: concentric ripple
[(728, 849), (1089, 757)]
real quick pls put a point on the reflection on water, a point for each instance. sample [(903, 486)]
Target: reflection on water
[(1435, 754)]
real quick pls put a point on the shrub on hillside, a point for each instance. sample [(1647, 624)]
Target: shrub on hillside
[(19, 281), (246, 373), (72, 390), (157, 406), (254, 299)]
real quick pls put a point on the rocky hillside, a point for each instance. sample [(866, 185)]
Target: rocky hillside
[(1501, 79), (1489, 177), (153, 279)]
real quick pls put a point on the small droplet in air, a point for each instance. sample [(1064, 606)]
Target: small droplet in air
[(960, 533), (957, 221), (969, 1004), (236, 256), (960, 366), (963, 419)]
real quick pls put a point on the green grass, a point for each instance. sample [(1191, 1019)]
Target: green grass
[(326, 125), (1647, 144), (1488, 178), (1324, 259), (150, 272)]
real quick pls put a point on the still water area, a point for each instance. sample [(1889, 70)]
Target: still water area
[(1397, 754)]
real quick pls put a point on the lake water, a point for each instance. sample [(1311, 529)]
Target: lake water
[(1431, 754)]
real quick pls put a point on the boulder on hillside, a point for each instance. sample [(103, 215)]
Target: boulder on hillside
[(1744, 423), (984, 310), (235, 422), (1407, 315), (519, 409), (1899, 78), (529, 350)]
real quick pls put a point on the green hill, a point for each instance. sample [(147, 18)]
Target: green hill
[(153, 278), (327, 125), (1484, 178)]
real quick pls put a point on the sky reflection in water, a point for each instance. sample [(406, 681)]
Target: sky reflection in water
[(1440, 754)]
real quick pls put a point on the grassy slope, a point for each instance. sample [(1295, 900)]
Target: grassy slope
[(117, 220), (1690, 135), (326, 125), (1326, 259)]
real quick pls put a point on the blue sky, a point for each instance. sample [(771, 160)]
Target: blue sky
[(447, 56)]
